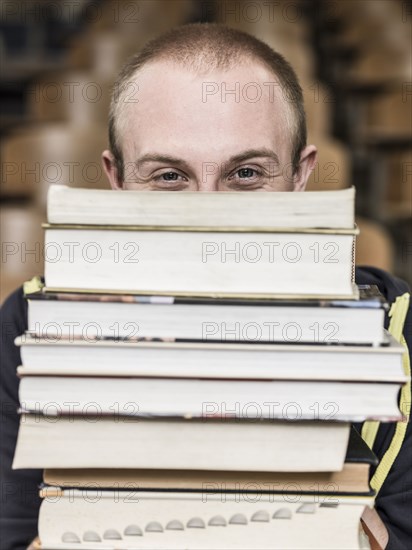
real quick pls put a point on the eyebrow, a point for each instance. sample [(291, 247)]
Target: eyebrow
[(254, 153), (165, 159), (241, 157)]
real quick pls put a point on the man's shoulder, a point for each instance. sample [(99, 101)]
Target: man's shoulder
[(14, 311)]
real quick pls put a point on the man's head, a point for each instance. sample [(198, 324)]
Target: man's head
[(208, 108)]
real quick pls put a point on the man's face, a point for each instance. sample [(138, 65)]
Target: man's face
[(222, 131)]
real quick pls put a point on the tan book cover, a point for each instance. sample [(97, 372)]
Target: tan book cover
[(352, 479)]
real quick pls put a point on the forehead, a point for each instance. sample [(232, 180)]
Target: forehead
[(166, 103)]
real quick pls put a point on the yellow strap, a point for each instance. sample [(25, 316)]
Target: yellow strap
[(34, 285), (369, 432), (397, 316)]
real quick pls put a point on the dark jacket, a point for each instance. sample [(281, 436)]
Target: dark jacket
[(19, 488)]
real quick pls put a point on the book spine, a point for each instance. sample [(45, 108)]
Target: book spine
[(353, 258)]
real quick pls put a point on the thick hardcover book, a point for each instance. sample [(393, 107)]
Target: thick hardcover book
[(135, 358), (200, 261), (64, 314), (168, 520), (194, 398), (94, 440)]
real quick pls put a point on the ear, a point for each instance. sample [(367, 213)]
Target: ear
[(308, 158), (109, 166)]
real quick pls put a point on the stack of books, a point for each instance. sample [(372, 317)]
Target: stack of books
[(202, 357)]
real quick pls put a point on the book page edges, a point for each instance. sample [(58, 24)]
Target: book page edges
[(205, 229), (215, 295)]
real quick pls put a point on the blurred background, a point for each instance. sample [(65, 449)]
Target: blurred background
[(59, 61)]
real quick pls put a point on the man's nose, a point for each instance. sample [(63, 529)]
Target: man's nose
[(207, 186), (209, 179)]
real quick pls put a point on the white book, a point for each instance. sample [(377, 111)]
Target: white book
[(190, 398), (169, 317), (102, 441), (212, 360), (72, 519), (200, 261), (316, 209)]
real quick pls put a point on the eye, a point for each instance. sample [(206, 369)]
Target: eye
[(246, 173), (169, 176), (170, 180)]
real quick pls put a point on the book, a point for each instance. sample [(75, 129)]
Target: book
[(100, 441), (68, 314), (129, 519), (352, 479), (200, 261), (316, 209), (205, 399), (114, 357)]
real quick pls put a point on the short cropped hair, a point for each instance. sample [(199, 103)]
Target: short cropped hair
[(203, 47)]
